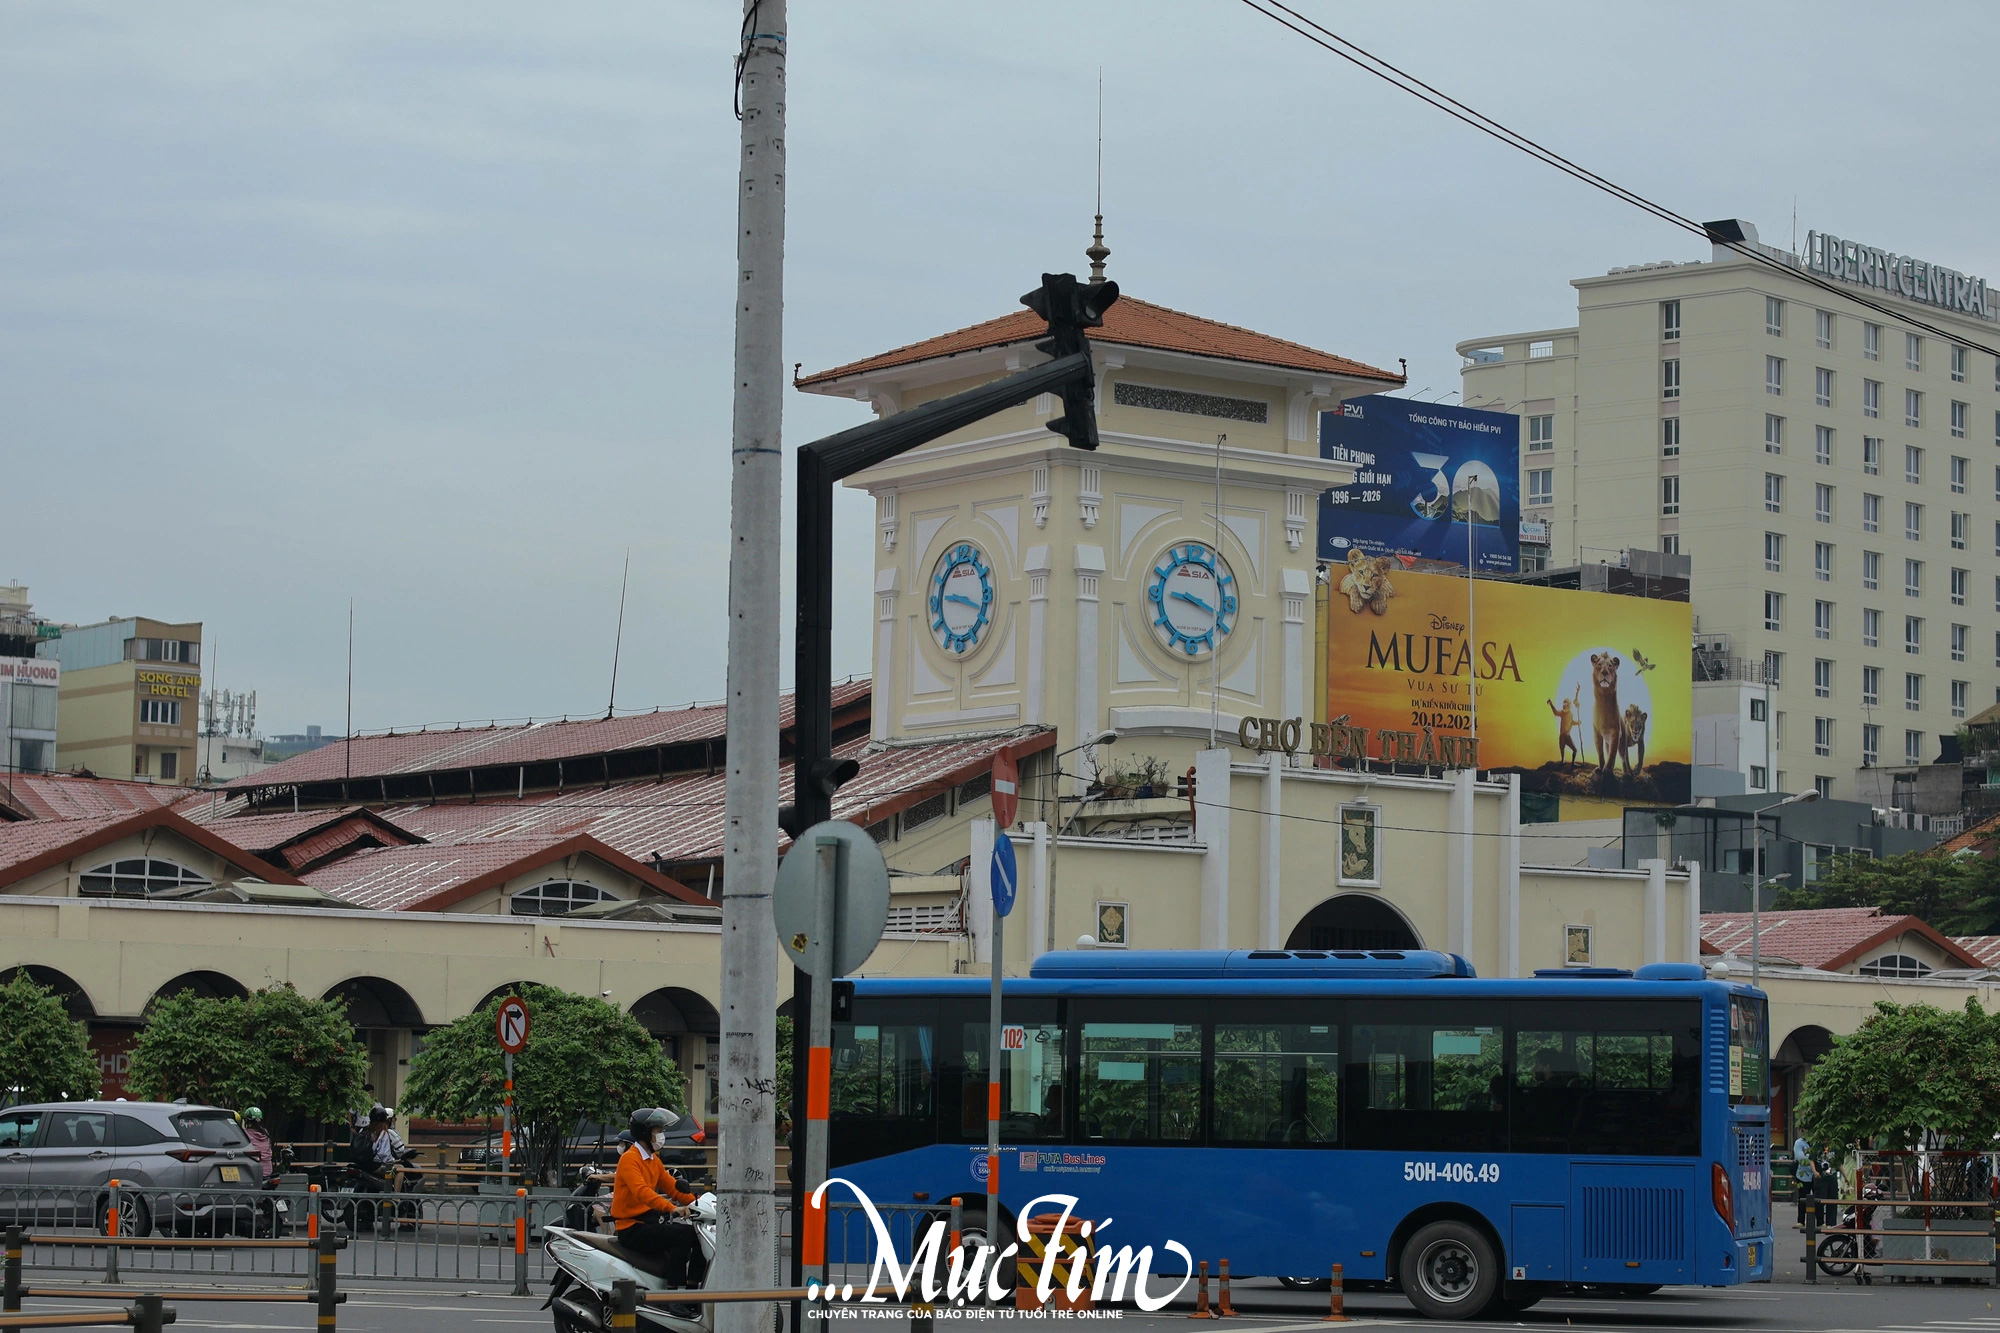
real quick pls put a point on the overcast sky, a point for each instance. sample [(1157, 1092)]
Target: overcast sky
[(429, 304)]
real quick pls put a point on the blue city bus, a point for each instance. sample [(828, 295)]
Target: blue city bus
[(1476, 1143)]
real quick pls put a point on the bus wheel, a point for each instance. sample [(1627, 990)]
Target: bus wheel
[(973, 1233), (1449, 1271)]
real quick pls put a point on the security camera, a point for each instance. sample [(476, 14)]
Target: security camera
[(605, 993)]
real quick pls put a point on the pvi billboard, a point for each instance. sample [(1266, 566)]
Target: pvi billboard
[(1429, 481)]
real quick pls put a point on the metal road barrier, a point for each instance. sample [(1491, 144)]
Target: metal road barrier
[(146, 1312), (325, 1294), (1907, 1238)]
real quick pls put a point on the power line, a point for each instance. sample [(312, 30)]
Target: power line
[(1325, 38)]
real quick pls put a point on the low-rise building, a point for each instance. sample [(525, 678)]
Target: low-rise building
[(131, 696)]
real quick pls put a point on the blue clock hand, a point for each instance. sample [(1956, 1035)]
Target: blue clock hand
[(1190, 597), (954, 597)]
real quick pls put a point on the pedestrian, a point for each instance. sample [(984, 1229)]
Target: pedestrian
[(1826, 1187), (1802, 1172)]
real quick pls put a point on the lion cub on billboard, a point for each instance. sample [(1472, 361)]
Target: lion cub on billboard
[(1367, 582)]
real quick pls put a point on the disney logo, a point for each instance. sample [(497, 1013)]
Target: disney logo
[(1445, 622)]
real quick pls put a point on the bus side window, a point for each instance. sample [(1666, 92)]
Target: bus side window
[(1605, 1077), (1139, 1077), (1435, 1085), (1277, 1084)]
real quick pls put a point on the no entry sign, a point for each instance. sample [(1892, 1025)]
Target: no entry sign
[(1006, 789)]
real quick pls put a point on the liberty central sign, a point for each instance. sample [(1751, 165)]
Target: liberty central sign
[(1900, 275)]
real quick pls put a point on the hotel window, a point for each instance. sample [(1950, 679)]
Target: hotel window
[(1823, 328), (1670, 544), (1774, 317), (1822, 620), (1958, 420), (1774, 552), (1913, 578), (1913, 747), (1996, 483), (1823, 503), (1670, 442), (1959, 467), (1774, 434), (1774, 374), (1871, 342), (1913, 692), (1959, 690), (1913, 634), (1871, 398), (1774, 611), (160, 712), (1913, 521), (1774, 493), (1958, 357), (1774, 670), (1913, 351), (1822, 387), (1871, 628), (1913, 465), (1871, 459), (1824, 786), (1822, 678), (1871, 513), (1871, 570), (1913, 408), (1871, 745), (1757, 775), (1871, 687), (1670, 321), (1960, 523), (1996, 428), (1822, 736), (1541, 434), (1670, 378), (1756, 710), (1541, 486), (1546, 347), (1823, 561), (1823, 445), (1670, 496), (1958, 581), (1958, 635)]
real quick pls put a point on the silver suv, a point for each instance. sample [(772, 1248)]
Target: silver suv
[(56, 1159)]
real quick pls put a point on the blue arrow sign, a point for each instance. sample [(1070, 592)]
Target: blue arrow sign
[(1006, 877)]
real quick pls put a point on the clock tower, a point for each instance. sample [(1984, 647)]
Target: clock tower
[(1161, 585)]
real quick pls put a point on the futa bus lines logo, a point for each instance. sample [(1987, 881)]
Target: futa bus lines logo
[(974, 1272)]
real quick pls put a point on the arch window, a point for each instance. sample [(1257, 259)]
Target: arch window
[(558, 897), (139, 877), (1895, 965)]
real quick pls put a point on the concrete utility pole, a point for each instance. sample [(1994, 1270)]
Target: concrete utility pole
[(746, 1176)]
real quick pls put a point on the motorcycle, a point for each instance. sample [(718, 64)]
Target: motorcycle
[(1837, 1255), (354, 1206), (588, 1263)]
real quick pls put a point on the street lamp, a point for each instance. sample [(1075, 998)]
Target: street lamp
[(1105, 737), (1757, 869)]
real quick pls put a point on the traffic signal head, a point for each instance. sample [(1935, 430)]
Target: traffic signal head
[(824, 777), (1070, 307)]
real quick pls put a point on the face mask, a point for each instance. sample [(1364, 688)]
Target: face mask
[(659, 1139)]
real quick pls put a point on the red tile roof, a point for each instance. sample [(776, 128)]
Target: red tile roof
[(1826, 938), (1986, 948), (1977, 838), (429, 877), (309, 837), (33, 846), (1129, 323), (76, 796), (459, 748)]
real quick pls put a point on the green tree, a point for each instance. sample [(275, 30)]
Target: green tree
[(1960, 895), (280, 1050), (585, 1060), (1911, 1074), (44, 1056)]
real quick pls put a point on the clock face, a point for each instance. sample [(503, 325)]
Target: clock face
[(1193, 599), (961, 600)]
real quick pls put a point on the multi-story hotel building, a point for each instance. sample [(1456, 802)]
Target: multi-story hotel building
[(131, 698), (1830, 470)]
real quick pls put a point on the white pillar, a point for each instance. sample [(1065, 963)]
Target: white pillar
[(1089, 567), (979, 891), (1037, 925), (1268, 936), (1459, 917), (1691, 914), (1211, 827), (884, 687), (1038, 571), (1297, 595), (1510, 905), (1656, 908)]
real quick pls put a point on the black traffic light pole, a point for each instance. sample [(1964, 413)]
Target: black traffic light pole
[(1070, 307)]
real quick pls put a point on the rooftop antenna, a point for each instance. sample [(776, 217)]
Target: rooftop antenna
[(350, 696), (1098, 251), (618, 643)]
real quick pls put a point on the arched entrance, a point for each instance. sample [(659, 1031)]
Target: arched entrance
[(499, 993), (208, 985), (1790, 1064), (687, 1027), (75, 1003), (1354, 921), (389, 1023)]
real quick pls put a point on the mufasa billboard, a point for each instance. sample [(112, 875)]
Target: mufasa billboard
[(1582, 693)]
